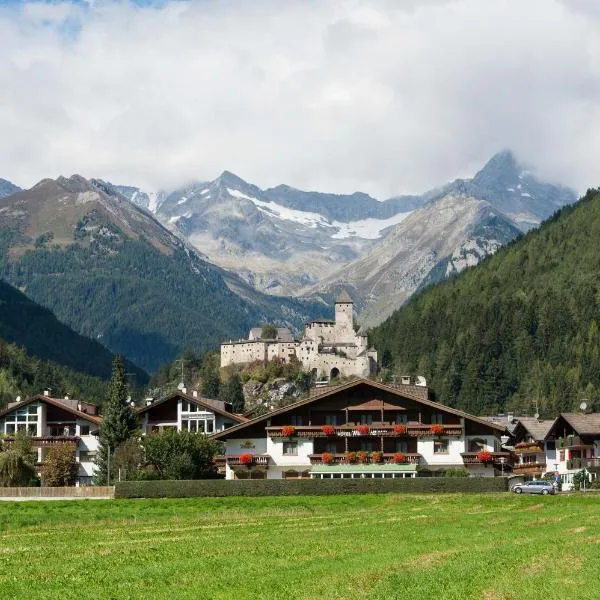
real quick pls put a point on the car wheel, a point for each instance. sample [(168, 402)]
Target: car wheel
[(518, 491), (545, 492)]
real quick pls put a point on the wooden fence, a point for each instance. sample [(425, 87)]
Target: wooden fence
[(58, 492)]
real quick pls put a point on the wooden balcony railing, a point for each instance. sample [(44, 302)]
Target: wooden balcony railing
[(573, 441), (257, 460), (532, 448), (583, 463), (531, 467), (375, 430), (38, 442), (471, 458), (317, 459)]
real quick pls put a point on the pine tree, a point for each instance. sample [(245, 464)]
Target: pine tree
[(233, 391), (118, 420)]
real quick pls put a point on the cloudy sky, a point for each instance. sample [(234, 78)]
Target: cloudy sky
[(381, 96)]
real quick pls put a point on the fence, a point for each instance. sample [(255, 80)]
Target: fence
[(58, 492)]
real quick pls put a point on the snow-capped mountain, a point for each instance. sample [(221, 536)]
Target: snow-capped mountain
[(7, 188), (148, 200)]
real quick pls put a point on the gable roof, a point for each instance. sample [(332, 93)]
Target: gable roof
[(536, 428), (347, 386), (208, 403), (583, 424), (53, 402)]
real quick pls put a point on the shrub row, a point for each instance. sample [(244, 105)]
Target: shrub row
[(305, 487)]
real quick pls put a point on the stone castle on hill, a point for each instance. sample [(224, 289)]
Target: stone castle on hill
[(328, 348)]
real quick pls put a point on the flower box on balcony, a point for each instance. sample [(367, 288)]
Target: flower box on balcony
[(399, 458), (400, 429), (363, 429), (376, 457), (485, 457), (246, 459), (350, 457), (437, 429), (363, 457), (326, 458), (288, 431), (328, 429)]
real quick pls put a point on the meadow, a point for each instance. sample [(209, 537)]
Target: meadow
[(452, 546)]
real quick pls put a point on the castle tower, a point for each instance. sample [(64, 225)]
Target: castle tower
[(344, 310)]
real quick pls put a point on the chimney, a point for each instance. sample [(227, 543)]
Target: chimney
[(184, 390), (195, 393), (18, 399), (405, 379), (79, 407), (509, 417), (149, 401), (47, 393)]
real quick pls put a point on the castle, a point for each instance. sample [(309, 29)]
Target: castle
[(327, 349)]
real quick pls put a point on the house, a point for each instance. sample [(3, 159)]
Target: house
[(535, 453), (363, 429), (186, 412), (52, 421), (327, 349)]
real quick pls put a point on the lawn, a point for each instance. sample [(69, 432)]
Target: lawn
[(379, 546)]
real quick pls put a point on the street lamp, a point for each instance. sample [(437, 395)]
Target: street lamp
[(502, 461)]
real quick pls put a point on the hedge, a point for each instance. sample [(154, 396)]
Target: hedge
[(305, 487)]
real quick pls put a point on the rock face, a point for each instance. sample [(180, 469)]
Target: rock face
[(262, 397), (7, 188)]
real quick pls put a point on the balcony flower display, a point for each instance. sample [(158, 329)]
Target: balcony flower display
[(363, 429), (399, 458), (328, 429), (362, 456), (246, 459), (437, 429), (288, 430), (485, 457), (376, 457), (400, 430), (350, 457), (326, 458)]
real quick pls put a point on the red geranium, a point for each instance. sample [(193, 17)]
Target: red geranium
[(400, 429), (363, 429), (328, 429), (350, 457), (288, 430), (246, 459), (437, 429), (399, 458), (362, 457), (377, 457), (484, 456), (326, 458)]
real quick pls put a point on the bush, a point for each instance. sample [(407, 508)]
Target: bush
[(59, 468), (306, 487)]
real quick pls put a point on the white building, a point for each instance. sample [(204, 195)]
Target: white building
[(363, 429), (328, 348), (52, 421)]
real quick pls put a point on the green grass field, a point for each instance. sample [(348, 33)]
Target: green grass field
[(378, 546)]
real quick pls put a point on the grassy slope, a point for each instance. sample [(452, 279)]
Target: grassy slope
[(390, 546)]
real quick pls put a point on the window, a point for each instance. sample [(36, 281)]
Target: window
[(440, 446), (23, 419), (550, 445), (296, 420), (10, 429), (331, 419), (401, 446), (84, 430), (184, 406), (367, 445), (331, 448), (366, 419), (290, 448), (87, 456), (437, 419), (210, 426), (227, 425), (401, 418)]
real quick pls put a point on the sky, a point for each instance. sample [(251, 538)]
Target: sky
[(381, 96)]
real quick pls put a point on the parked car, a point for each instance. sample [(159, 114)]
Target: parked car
[(535, 487)]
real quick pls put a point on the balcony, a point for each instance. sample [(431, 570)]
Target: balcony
[(472, 458), (411, 459), (529, 468), (375, 430), (583, 463), (574, 442), (528, 448), (257, 460), (41, 442)]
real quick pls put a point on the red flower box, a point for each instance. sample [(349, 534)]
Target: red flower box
[(399, 458), (350, 457), (288, 430), (362, 456), (437, 429), (400, 429), (328, 429), (363, 429), (326, 458), (484, 456), (246, 459), (376, 457)]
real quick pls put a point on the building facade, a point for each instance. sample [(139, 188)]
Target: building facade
[(363, 429), (327, 348), (51, 421)]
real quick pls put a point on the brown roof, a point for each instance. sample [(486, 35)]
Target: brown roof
[(208, 403), (583, 424), (536, 428), (54, 402), (335, 390), (344, 298)]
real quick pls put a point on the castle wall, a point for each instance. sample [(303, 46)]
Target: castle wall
[(242, 352)]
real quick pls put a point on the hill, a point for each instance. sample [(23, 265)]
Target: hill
[(520, 331), (112, 272)]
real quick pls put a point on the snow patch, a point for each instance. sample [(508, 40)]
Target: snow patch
[(183, 199), (526, 195), (510, 189), (206, 191), (369, 229)]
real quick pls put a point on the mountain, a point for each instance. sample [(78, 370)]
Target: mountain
[(7, 188), (148, 200), (41, 334), (435, 241), (273, 247), (112, 272), (520, 331)]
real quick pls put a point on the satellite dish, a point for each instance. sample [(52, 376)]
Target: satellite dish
[(537, 415), (583, 405), (504, 439), (181, 386)]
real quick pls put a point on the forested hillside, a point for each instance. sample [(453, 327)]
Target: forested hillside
[(519, 329)]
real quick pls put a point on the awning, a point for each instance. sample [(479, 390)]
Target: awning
[(410, 468)]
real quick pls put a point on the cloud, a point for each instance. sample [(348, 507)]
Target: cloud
[(380, 96)]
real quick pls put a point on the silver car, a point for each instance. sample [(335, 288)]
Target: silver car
[(534, 487)]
